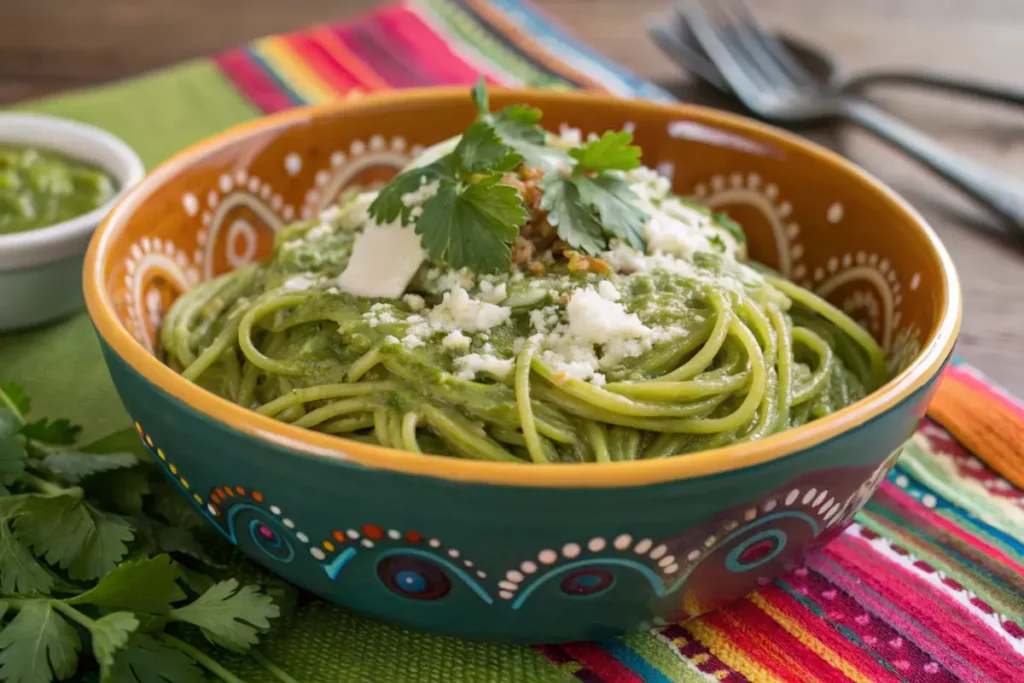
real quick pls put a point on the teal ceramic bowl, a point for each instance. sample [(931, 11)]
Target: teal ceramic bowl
[(524, 553)]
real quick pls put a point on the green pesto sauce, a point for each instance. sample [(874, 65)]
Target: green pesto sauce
[(330, 330), (39, 188)]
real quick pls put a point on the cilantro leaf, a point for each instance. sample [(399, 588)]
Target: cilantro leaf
[(123, 441), (72, 534), (12, 448), (474, 226), (731, 226), (15, 398), (479, 94), (481, 150), (147, 585), (610, 152), (230, 616), (614, 202), (576, 224), (152, 537), (61, 432), (388, 206), (20, 572), (517, 125), (110, 634), (147, 660), (72, 466), (175, 508), (120, 490), (38, 646)]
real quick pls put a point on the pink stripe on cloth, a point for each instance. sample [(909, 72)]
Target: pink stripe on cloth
[(410, 30), (920, 611), (253, 81), (825, 628), (871, 632), (913, 511), (601, 663)]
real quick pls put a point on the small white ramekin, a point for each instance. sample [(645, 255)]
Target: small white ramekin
[(41, 270)]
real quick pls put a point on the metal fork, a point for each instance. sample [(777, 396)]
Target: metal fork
[(769, 81)]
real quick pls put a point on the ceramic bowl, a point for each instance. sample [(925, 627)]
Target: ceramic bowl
[(41, 270), (526, 553)]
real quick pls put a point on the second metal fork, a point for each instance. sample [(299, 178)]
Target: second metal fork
[(771, 83)]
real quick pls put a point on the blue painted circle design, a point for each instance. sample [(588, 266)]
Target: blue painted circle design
[(410, 581), (760, 548), (413, 577), (587, 582)]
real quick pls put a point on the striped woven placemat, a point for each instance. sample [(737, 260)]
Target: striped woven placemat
[(926, 585)]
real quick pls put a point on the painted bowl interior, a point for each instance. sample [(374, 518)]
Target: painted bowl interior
[(827, 231), (806, 212)]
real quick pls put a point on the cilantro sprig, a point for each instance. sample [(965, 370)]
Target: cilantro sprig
[(591, 203), (98, 558), (471, 217)]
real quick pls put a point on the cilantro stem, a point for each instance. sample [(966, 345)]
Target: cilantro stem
[(73, 614), (271, 667), (6, 400), (201, 658), (43, 486)]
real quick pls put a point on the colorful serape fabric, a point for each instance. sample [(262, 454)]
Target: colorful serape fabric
[(926, 585)]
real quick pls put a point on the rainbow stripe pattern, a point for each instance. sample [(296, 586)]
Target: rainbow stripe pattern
[(926, 586)]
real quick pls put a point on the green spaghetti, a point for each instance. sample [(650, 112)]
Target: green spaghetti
[(521, 296)]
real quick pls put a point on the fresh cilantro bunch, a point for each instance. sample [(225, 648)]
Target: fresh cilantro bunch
[(473, 218), (591, 203), (97, 555)]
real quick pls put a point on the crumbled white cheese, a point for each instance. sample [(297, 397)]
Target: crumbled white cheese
[(420, 195), (384, 259), (596, 320), (380, 314), (411, 341), (472, 363), (491, 293), (330, 214), (599, 333), (319, 233), (299, 283), (415, 302), (456, 341), (607, 291), (451, 279), (674, 228), (582, 369), (354, 213), (544, 319), (458, 310)]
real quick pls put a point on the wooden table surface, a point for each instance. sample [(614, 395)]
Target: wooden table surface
[(51, 45)]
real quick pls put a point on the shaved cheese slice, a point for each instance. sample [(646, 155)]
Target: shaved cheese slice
[(384, 260)]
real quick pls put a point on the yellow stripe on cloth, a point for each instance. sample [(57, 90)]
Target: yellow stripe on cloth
[(293, 70), (809, 640)]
